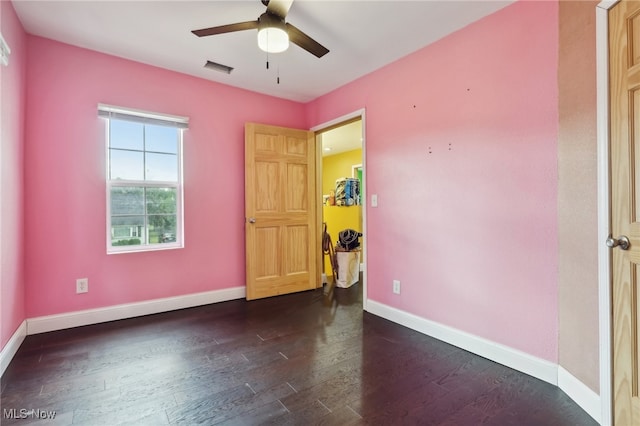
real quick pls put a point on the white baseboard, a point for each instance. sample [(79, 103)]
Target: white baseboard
[(12, 346), (586, 398), (513, 358), (539, 368), (111, 313)]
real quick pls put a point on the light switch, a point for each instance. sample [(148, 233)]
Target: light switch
[(374, 200)]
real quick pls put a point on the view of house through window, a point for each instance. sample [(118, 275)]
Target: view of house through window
[(144, 183)]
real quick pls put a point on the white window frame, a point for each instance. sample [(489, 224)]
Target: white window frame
[(113, 112), (5, 52)]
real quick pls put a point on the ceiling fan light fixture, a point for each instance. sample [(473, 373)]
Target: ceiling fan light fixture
[(272, 34)]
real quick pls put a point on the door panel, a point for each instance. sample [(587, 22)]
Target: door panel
[(634, 39), (267, 242), (297, 176), (280, 199), (297, 260), (266, 195), (624, 56)]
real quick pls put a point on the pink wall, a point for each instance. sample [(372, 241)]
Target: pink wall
[(65, 184), (473, 228), (461, 146), (12, 115)]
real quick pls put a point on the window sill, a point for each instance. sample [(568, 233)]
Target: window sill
[(146, 248)]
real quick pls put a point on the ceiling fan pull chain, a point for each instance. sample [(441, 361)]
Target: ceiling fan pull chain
[(278, 74)]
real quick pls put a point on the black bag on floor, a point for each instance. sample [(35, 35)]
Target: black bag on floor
[(348, 239)]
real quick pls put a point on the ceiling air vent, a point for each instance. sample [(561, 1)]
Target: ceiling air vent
[(218, 67)]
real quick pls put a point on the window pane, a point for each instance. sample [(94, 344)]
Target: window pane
[(161, 200), (140, 156), (127, 230), (162, 229), (126, 135), (126, 165), (161, 139), (162, 167), (127, 200)]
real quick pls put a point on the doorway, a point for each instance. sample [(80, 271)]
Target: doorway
[(341, 159)]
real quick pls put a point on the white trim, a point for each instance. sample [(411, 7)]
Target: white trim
[(363, 198), (178, 185), (129, 310), (604, 261), (354, 170), (341, 119), (607, 4), (513, 358), (112, 109), (582, 394), (12, 346), (363, 191)]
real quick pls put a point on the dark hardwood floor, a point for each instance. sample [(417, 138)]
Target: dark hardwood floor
[(306, 358)]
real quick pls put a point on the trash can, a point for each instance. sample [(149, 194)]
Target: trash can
[(348, 268)]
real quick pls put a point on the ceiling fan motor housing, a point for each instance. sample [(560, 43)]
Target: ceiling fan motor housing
[(273, 36)]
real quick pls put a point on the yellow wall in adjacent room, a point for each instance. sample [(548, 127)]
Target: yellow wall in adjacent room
[(339, 217), (338, 166)]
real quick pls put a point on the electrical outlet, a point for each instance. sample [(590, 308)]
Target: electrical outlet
[(82, 285), (396, 286)]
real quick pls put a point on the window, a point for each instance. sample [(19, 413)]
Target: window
[(144, 180), (4, 52)]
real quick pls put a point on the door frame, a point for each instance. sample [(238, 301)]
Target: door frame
[(604, 208), (363, 194)]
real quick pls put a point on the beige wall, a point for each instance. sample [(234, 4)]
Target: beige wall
[(577, 185)]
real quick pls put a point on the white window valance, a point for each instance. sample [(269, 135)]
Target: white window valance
[(146, 117)]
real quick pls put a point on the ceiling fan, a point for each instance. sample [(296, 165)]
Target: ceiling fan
[(274, 33)]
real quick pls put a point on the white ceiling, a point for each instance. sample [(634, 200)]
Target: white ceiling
[(362, 36)]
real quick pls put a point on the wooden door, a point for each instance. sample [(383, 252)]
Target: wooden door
[(280, 211), (624, 57)]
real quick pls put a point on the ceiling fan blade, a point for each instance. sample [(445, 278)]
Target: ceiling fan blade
[(307, 43), (279, 7), (240, 26)]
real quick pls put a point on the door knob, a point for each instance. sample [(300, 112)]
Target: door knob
[(252, 220), (622, 242)]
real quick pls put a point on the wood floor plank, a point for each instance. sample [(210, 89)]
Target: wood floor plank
[(309, 358)]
